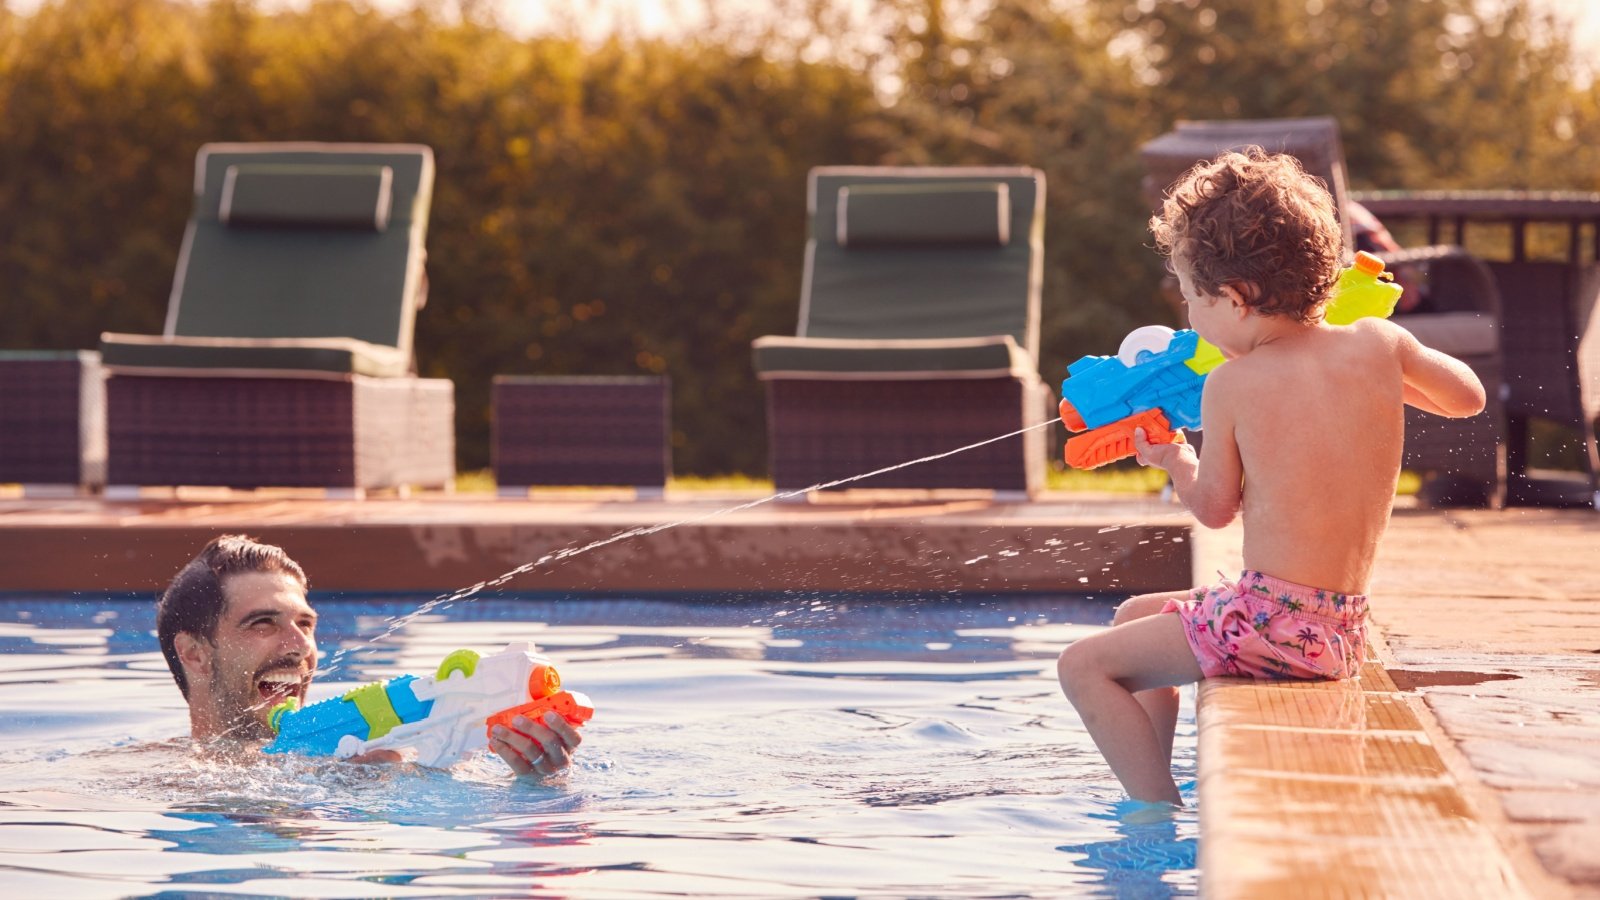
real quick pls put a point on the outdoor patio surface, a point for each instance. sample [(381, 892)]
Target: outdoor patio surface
[(1462, 763)]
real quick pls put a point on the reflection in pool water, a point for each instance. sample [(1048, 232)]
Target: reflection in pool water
[(775, 746)]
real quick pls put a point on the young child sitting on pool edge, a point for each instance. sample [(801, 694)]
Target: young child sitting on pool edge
[(1303, 434)]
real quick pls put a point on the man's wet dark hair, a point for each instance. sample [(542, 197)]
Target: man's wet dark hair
[(194, 601)]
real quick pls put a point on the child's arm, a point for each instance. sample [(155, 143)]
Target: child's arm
[(1435, 382), (1212, 485)]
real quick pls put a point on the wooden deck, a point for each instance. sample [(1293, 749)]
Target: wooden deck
[(1335, 789), (609, 544)]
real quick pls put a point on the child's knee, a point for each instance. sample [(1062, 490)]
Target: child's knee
[(1075, 664), (1138, 608)]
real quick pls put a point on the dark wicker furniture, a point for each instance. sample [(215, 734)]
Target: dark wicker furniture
[(354, 432), (1465, 459), (52, 419), (581, 430), (822, 431), (1549, 330)]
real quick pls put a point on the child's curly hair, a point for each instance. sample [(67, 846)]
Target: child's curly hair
[(1259, 222)]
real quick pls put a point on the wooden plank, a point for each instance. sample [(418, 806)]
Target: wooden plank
[(1334, 789)]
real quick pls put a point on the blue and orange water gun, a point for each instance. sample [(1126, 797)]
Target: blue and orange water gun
[(442, 718), (1158, 375)]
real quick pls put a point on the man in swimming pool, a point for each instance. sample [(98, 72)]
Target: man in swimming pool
[(240, 637)]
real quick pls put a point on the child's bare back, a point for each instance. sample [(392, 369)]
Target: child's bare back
[(1318, 422)]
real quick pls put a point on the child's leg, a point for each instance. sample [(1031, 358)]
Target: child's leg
[(1100, 675), (1161, 703)]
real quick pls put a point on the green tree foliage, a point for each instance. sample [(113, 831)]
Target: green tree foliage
[(621, 209), (1029, 85), (1428, 93), (637, 206)]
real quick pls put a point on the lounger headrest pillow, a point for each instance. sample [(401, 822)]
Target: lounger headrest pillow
[(307, 196), (970, 213)]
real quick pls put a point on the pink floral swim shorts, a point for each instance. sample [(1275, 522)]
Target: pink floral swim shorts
[(1265, 627)]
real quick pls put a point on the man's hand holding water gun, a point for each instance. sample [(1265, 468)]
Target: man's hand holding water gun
[(539, 748), (511, 702), (1137, 402)]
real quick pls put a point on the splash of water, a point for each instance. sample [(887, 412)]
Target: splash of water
[(444, 601)]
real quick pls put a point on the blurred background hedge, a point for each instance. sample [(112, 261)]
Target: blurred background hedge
[(636, 205)]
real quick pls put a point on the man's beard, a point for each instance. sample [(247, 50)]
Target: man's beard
[(241, 708), (239, 711)]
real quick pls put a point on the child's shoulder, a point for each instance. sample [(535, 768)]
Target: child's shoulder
[(1227, 383), (1378, 337), (1364, 342), (1375, 328)]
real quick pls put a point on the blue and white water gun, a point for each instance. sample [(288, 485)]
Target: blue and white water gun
[(442, 718)]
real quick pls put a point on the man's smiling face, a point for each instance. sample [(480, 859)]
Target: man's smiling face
[(265, 651)]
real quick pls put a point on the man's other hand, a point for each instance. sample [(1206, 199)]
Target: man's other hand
[(376, 758), (539, 749)]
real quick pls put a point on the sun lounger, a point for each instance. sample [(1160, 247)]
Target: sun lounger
[(918, 332), (287, 356)]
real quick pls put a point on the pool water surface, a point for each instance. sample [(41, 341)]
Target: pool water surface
[(778, 746)]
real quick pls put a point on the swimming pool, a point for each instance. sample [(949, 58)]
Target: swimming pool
[(773, 746)]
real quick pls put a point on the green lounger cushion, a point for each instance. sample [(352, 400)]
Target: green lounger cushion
[(793, 357), (48, 355), (308, 196), (874, 215), (932, 289), (244, 356)]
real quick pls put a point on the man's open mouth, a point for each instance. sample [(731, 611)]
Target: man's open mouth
[(276, 687)]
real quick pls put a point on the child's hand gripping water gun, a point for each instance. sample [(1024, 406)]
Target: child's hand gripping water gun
[(1156, 379), (443, 718)]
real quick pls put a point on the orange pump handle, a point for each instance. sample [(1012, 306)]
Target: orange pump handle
[(1109, 443), (565, 705)]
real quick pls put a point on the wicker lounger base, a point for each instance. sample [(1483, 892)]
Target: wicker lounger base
[(1551, 371), (1465, 457), (1463, 461), (281, 432), (581, 430), (823, 430), (52, 418)]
